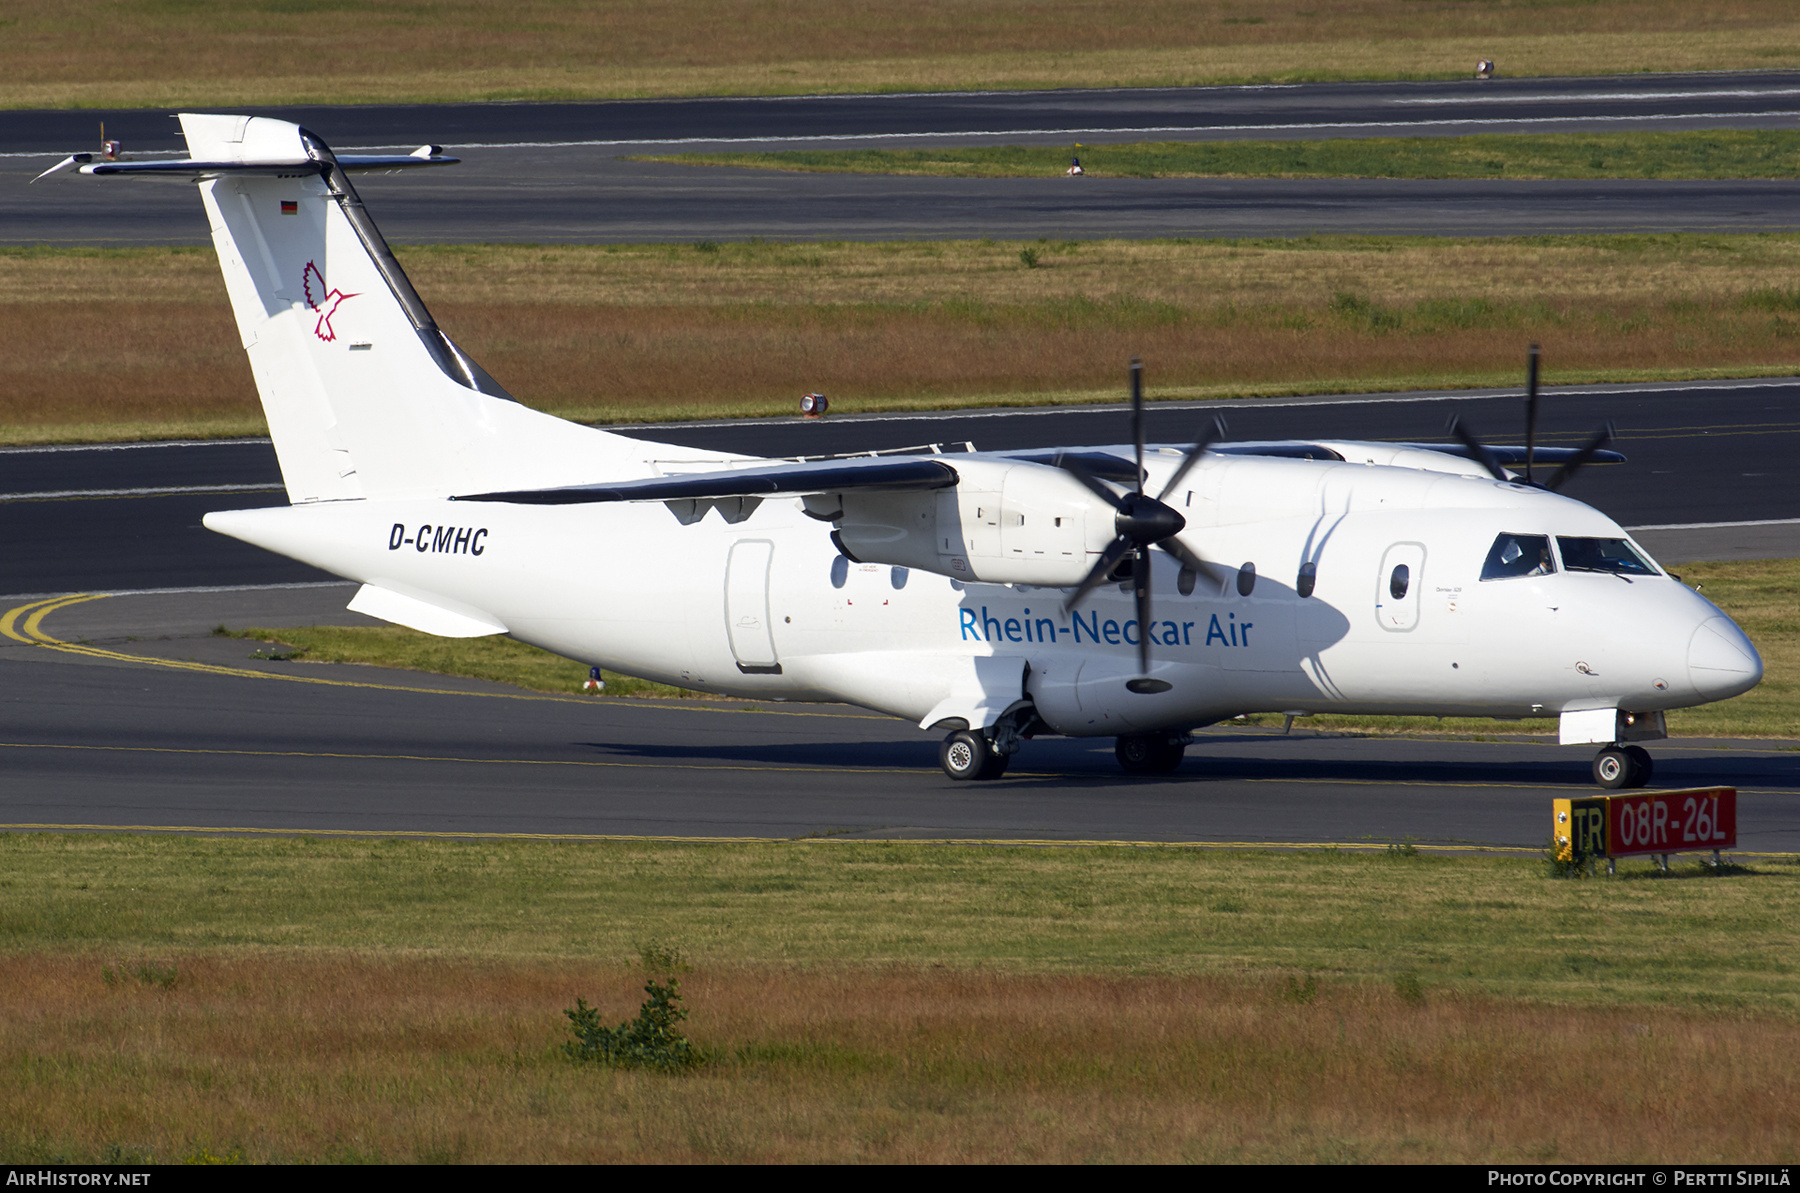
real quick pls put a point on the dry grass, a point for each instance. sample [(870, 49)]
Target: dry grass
[(133, 343), (174, 997), (352, 1057), (179, 53)]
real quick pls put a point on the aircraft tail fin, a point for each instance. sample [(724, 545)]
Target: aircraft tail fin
[(365, 395)]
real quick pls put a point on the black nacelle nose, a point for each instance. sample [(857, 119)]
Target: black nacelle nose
[(1144, 519)]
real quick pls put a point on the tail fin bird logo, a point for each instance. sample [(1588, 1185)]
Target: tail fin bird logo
[(320, 299)]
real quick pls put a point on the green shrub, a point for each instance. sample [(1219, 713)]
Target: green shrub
[(648, 1042)]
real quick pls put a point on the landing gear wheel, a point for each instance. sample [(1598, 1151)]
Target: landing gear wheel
[(1618, 767), (1148, 754), (966, 754)]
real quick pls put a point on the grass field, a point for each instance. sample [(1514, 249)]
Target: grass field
[(174, 998), (209, 53), (496, 659), (1761, 596), (136, 343), (1728, 153)]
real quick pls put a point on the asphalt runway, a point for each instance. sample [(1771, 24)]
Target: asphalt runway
[(550, 173), (162, 726), (1736, 99)]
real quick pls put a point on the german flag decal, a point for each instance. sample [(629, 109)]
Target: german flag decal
[(289, 207)]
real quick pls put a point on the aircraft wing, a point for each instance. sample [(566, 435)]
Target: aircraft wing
[(820, 476), (1516, 455)]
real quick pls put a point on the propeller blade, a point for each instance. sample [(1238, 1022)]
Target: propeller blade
[(1208, 436), (1137, 416), (1116, 550), (1182, 552), (1069, 465), (1477, 448), (1531, 411), (1140, 584), (1588, 451)]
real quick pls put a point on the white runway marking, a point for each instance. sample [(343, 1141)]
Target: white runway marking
[(162, 491), (1719, 525)]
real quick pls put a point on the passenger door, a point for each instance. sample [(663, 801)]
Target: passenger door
[(1399, 585)]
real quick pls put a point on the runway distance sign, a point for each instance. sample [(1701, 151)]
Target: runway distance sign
[(1690, 820)]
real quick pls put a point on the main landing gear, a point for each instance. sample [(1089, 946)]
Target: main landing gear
[(969, 754), (1619, 766), (1150, 753)]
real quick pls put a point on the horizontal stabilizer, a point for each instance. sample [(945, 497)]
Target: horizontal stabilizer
[(284, 166), (825, 476)]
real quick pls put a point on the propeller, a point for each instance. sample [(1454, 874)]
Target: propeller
[(1140, 521), (1465, 434)]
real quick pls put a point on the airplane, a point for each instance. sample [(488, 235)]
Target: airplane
[(1135, 591)]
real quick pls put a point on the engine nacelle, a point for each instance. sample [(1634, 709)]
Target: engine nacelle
[(1005, 522)]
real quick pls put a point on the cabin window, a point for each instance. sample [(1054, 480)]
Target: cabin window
[(1602, 555), (1518, 555), (1184, 581), (840, 571), (897, 578), (1398, 581), (1247, 579), (1309, 576)]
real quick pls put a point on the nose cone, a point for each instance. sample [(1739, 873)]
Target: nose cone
[(1721, 661)]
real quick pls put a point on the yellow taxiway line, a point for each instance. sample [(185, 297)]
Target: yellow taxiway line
[(32, 631)]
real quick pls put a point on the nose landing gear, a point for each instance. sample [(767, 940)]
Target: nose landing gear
[(1620, 766)]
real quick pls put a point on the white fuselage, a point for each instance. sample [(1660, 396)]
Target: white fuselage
[(768, 607)]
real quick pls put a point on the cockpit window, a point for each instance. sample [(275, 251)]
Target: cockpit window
[(1602, 555), (1518, 555)]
